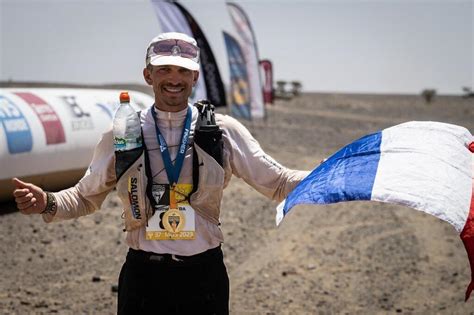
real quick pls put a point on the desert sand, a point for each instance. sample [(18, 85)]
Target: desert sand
[(346, 258)]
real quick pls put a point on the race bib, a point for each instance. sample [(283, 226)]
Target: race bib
[(174, 218)]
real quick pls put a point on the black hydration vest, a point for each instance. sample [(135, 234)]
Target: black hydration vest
[(207, 135)]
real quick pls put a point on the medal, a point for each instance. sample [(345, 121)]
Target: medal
[(173, 220)]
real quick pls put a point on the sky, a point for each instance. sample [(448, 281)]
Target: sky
[(395, 46)]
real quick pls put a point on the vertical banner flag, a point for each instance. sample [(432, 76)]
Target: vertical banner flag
[(268, 81), (248, 43), (52, 126), (214, 86), (15, 125), (427, 166), (175, 18), (239, 87)]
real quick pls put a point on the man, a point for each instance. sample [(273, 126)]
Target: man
[(175, 263)]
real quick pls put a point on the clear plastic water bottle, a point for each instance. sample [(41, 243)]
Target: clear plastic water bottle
[(127, 131)]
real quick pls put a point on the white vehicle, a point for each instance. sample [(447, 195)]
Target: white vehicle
[(47, 135)]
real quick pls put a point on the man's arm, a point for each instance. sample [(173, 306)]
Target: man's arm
[(248, 161), (84, 198)]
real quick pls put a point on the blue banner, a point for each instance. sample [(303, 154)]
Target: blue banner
[(239, 84), (16, 127)]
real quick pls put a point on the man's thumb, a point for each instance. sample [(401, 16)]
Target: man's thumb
[(19, 184)]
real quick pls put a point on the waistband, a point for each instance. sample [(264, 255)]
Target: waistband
[(140, 256)]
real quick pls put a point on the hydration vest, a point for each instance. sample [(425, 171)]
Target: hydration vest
[(207, 135)]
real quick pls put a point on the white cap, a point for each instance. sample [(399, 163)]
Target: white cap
[(175, 59)]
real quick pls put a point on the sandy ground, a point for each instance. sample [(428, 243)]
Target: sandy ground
[(347, 258)]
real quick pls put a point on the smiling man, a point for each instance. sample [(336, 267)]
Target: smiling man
[(171, 193), (171, 76)]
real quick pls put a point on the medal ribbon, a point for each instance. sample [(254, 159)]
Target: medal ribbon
[(173, 171)]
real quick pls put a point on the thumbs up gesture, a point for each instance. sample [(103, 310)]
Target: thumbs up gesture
[(29, 198)]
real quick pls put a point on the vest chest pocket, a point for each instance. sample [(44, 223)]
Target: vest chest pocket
[(207, 198), (131, 189)]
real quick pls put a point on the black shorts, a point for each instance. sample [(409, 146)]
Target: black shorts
[(166, 284)]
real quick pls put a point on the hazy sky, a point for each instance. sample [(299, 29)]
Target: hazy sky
[(346, 46)]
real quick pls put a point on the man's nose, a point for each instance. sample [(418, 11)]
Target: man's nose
[(174, 77)]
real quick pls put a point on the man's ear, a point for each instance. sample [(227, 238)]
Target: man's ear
[(196, 77), (147, 76)]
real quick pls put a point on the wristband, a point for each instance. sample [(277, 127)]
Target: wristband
[(51, 205)]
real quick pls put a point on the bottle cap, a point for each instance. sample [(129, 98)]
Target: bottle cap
[(124, 97)]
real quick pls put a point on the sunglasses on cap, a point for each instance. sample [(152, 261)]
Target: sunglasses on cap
[(176, 47)]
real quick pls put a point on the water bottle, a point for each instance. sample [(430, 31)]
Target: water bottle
[(127, 131)]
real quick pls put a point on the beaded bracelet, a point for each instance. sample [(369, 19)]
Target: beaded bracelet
[(51, 205)]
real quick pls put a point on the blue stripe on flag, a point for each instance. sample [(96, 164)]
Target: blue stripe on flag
[(349, 174)]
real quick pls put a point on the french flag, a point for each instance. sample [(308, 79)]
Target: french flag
[(428, 166)]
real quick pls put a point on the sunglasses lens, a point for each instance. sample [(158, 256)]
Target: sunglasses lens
[(175, 47), (188, 50), (164, 47)]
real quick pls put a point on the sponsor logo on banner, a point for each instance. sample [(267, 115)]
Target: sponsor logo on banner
[(81, 119), (16, 127), (239, 84), (133, 197), (52, 125)]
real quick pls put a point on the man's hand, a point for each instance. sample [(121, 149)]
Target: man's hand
[(29, 198)]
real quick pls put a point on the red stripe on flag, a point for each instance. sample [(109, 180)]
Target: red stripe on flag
[(53, 128), (467, 237)]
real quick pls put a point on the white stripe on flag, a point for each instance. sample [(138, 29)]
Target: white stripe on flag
[(426, 166)]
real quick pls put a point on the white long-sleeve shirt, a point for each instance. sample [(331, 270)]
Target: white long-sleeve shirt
[(243, 157)]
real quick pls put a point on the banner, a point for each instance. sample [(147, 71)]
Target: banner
[(239, 86), (214, 86), (266, 66), (248, 43)]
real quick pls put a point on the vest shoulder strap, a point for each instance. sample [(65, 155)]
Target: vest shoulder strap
[(208, 135)]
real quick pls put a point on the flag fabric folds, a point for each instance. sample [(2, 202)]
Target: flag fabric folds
[(428, 166)]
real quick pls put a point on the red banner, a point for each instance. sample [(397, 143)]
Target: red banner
[(52, 125), (268, 82)]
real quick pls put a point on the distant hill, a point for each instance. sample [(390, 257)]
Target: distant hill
[(117, 86)]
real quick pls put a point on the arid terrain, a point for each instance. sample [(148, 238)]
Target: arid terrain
[(346, 258)]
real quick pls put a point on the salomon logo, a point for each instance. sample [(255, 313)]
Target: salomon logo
[(133, 197)]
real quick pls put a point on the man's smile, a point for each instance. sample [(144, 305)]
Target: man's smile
[(173, 89)]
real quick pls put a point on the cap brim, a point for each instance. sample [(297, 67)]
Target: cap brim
[(174, 61)]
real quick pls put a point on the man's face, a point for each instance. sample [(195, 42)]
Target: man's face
[(172, 86)]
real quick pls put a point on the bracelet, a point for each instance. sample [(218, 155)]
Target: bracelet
[(51, 204)]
